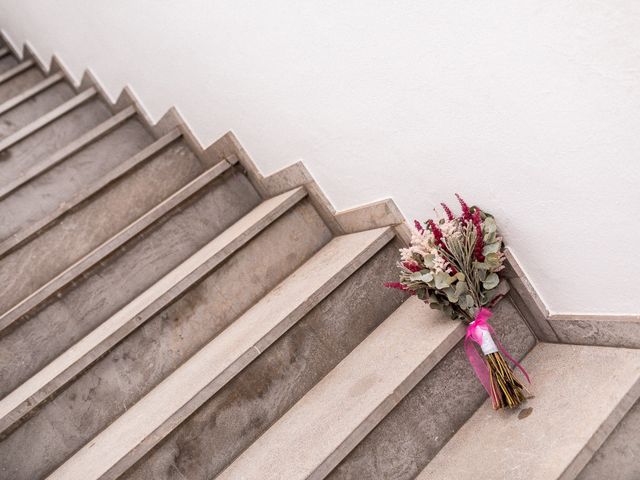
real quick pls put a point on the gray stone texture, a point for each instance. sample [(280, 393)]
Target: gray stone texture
[(32, 109), (413, 433), (162, 344), (608, 332), (228, 423), (96, 220), (42, 143), (7, 63), (20, 83), (124, 275), (619, 456), (45, 193)]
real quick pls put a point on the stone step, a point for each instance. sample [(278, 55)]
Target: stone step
[(24, 86), (165, 341), (40, 121), (227, 423), (107, 215), (108, 333), (617, 458), (27, 174), (9, 67), (581, 393), (243, 342), (40, 190), (405, 440), (56, 135), (4, 51), (318, 432), (21, 81)]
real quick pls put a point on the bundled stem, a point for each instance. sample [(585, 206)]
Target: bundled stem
[(506, 389)]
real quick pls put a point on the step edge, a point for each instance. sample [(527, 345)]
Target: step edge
[(602, 433), (25, 234), (574, 465), (448, 339), (171, 420), (81, 360), (388, 404), (17, 70), (83, 141), (47, 118), (30, 92), (78, 268)]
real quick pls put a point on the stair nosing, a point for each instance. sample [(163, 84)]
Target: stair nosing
[(30, 92), (547, 361), (47, 118), (4, 51), (448, 336), (110, 245), (17, 70), (132, 316), (68, 150), (166, 422), (25, 234)]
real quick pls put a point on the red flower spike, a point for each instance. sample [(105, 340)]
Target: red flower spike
[(411, 266), (447, 210), (418, 226), (479, 240), (466, 213)]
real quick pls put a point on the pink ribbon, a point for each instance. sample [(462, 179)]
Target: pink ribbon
[(474, 333)]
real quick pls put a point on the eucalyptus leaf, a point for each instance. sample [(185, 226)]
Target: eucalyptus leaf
[(427, 277), (428, 260), (491, 248), (452, 296), (442, 280), (489, 225), (491, 281)]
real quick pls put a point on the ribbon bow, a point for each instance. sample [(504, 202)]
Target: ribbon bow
[(475, 332)]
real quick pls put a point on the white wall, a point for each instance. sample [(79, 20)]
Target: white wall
[(530, 109)]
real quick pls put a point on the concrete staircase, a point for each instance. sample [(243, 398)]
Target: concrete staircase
[(165, 315)]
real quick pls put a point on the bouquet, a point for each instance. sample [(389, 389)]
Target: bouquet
[(453, 264)]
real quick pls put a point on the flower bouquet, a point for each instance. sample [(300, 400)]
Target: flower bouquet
[(453, 264)]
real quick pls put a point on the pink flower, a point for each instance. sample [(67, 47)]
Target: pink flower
[(466, 213), (479, 240), (411, 266), (447, 210), (437, 234)]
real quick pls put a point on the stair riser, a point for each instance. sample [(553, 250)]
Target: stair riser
[(45, 193), (228, 423), (31, 110), (93, 222), (20, 83), (46, 141), (153, 351), (411, 435), (82, 307), (619, 453), (7, 62)]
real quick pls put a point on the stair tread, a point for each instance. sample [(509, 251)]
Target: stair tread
[(148, 303), (82, 234), (18, 121), (20, 83), (314, 436), (156, 414), (581, 393), (7, 61), (56, 179)]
